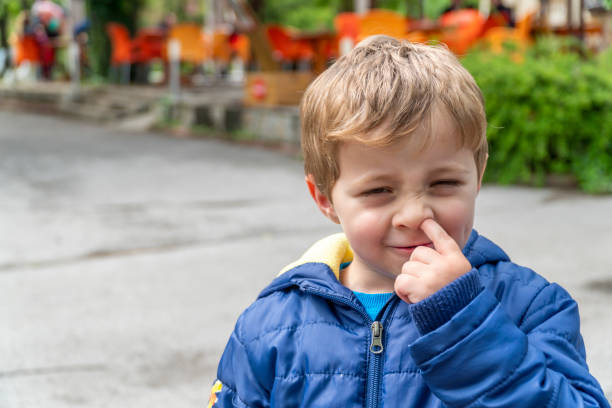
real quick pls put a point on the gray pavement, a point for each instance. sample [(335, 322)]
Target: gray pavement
[(125, 258)]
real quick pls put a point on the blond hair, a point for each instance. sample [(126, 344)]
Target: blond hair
[(391, 87)]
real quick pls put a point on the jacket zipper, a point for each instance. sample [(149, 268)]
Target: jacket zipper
[(376, 346), (376, 350)]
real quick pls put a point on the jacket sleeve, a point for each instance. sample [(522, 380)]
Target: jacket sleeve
[(237, 384), (481, 358)]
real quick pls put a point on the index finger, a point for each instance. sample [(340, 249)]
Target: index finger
[(443, 243)]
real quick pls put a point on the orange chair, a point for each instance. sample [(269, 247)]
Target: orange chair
[(121, 44), (241, 47), (387, 22), (221, 48), (27, 49), (496, 37), (121, 51), (465, 28), (380, 21), (192, 42)]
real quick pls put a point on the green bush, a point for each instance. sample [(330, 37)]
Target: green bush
[(549, 114)]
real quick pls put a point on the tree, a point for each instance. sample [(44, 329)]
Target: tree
[(100, 13), (8, 11), (3, 24)]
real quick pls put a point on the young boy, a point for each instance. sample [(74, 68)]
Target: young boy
[(409, 307)]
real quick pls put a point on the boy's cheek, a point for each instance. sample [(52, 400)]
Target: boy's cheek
[(457, 222), (365, 220), (363, 228)]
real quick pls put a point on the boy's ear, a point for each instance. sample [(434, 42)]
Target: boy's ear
[(484, 167), (324, 203)]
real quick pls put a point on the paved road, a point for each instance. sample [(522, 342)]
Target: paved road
[(126, 258)]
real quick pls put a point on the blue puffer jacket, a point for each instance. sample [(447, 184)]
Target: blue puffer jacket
[(308, 342)]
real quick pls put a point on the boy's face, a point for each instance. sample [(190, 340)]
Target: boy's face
[(384, 194)]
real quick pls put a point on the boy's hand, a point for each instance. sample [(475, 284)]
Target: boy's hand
[(429, 270)]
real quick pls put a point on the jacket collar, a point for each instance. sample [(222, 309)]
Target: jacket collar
[(319, 268), (332, 251)]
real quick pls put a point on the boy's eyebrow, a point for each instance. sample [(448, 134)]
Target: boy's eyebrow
[(450, 168), (374, 177)]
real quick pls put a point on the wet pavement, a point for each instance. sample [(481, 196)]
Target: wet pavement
[(126, 258)]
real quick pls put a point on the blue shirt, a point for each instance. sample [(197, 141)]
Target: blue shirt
[(373, 302)]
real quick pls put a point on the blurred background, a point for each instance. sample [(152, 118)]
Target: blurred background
[(151, 181)]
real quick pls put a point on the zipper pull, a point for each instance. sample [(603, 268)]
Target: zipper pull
[(376, 346)]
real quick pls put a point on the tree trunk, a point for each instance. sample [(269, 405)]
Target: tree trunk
[(3, 19)]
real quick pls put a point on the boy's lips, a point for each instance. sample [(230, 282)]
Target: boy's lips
[(409, 249)]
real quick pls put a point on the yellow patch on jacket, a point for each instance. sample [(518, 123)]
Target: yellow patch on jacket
[(333, 251), (217, 387)]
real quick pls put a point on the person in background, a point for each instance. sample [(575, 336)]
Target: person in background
[(48, 19)]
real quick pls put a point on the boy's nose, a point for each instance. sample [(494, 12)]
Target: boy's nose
[(411, 213)]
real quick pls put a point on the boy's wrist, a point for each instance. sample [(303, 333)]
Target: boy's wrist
[(439, 308)]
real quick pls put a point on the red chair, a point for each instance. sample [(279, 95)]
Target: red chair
[(147, 46), (494, 20), (285, 48), (465, 28), (347, 27)]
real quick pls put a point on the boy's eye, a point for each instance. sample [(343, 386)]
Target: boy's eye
[(377, 190), (445, 183)]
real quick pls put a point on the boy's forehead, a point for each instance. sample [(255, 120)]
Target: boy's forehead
[(435, 130), (408, 148)]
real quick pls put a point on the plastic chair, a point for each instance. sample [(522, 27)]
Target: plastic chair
[(221, 48), (27, 49), (494, 20), (285, 48), (121, 51), (416, 36), (347, 29), (121, 44), (191, 40), (147, 46), (466, 27), (241, 47), (496, 37), (347, 25), (379, 21), (280, 41)]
